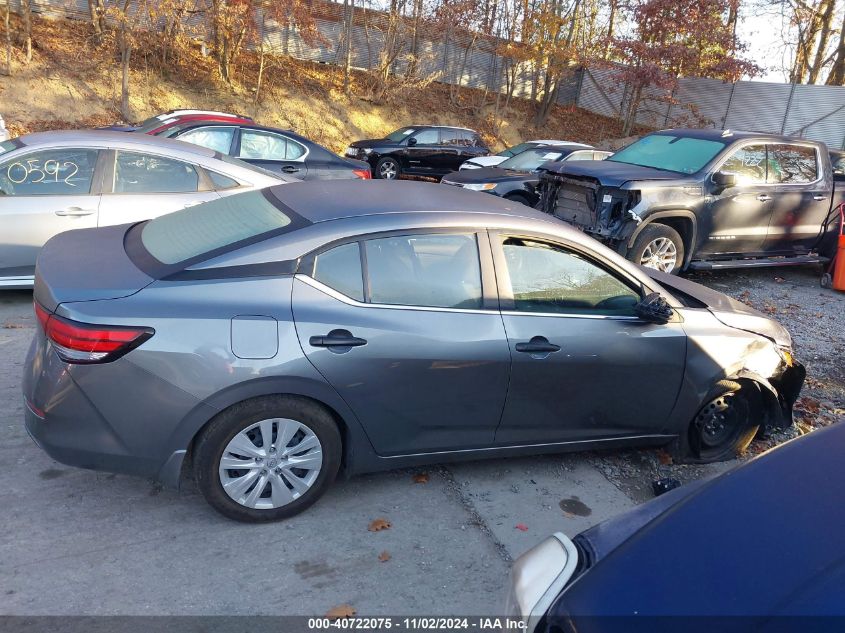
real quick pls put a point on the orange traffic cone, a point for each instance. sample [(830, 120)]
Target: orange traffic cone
[(838, 280)]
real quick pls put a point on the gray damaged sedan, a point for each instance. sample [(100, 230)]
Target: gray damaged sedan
[(270, 340)]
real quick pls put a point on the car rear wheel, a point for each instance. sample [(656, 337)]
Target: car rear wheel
[(388, 169), (658, 246), (267, 459), (725, 425)]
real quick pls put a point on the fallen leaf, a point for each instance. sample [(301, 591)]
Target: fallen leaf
[(780, 280), (340, 612), (421, 478), (377, 525), (521, 527), (384, 557), (664, 457)]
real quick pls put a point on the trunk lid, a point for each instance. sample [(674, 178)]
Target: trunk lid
[(86, 265)]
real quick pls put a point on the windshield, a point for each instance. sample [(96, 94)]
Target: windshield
[(400, 134), (183, 235), (671, 153), (531, 159), (516, 149)]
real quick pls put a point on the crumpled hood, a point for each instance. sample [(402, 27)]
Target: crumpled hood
[(729, 311), (610, 173)]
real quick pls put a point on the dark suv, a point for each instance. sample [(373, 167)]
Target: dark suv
[(419, 150)]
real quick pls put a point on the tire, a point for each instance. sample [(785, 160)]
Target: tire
[(723, 427), (658, 246), (286, 489), (387, 169)]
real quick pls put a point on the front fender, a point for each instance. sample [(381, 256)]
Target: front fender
[(683, 214)]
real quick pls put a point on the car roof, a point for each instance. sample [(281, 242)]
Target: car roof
[(322, 201), (558, 142), (111, 138), (731, 135), (448, 127)]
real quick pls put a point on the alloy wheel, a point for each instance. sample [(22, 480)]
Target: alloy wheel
[(387, 170), (270, 463), (661, 254)]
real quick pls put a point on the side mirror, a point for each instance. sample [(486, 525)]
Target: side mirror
[(654, 308), (724, 180), (412, 141)]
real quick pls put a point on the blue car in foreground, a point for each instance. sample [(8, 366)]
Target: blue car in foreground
[(759, 548)]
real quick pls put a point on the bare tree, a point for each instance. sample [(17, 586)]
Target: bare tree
[(7, 18), (97, 13), (26, 16)]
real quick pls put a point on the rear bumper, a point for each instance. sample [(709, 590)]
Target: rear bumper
[(110, 417)]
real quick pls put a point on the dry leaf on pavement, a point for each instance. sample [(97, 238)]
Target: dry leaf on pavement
[(421, 478), (384, 557), (340, 612), (376, 525)]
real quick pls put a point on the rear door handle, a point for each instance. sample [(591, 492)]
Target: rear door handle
[(764, 197), (818, 197), (537, 345), (337, 338), (75, 212), (290, 169)]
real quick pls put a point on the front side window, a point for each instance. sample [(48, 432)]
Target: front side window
[(135, 172), (217, 138), (450, 137), (792, 164), (427, 137), (340, 269), (438, 270), (55, 172), (549, 279), (748, 164), (683, 155), (583, 155)]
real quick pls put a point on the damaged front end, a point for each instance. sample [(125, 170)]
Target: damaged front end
[(605, 213), (779, 383)]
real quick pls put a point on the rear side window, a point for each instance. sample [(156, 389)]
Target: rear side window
[(340, 269), (135, 172), (222, 182), (449, 136), (438, 270), (55, 172), (792, 164), (203, 228), (258, 145)]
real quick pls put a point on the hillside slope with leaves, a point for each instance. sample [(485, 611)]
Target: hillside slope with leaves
[(73, 83)]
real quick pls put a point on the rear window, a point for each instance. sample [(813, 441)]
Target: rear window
[(204, 228)]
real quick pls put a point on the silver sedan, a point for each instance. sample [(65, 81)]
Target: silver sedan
[(52, 182)]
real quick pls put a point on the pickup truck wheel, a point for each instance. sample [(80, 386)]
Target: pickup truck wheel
[(658, 246)]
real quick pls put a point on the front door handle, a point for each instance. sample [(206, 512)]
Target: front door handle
[(75, 212), (537, 345), (337, 338), (290, 169), (818, 197), (763, 197)]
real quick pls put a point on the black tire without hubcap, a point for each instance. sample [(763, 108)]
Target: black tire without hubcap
[(724, 427), (387, 169), (658, 246), (268, 458)]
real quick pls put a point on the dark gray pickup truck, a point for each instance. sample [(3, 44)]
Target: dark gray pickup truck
[(704, 199)]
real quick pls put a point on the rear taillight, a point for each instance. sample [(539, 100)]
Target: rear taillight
[(363, 174), (86, 343)]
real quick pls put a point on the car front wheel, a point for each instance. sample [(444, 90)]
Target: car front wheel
[(267, 459), (658, 246), (388, 169), (724, 426)]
